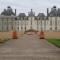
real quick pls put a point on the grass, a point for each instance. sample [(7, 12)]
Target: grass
[(56, 42)]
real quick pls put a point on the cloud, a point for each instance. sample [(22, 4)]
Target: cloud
[(26, 5)]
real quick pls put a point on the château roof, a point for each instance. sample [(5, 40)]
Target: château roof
[(41, 15), (54, 11), (22, 15), (31, 13)]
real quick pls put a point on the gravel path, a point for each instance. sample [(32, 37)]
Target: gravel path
[(29, 47)]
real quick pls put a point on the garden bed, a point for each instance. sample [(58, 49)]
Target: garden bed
[(4, 40)]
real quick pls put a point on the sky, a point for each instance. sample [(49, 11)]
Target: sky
[(24, 6)]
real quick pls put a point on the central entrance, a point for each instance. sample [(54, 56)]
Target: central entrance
[(31, 31)]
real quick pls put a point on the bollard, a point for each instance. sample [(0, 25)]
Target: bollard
[(42, 35), (14, 35)]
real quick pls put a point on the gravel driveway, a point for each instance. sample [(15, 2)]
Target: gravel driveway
[(29, 47)]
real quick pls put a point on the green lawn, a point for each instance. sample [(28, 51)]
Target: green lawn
[(56, 42)]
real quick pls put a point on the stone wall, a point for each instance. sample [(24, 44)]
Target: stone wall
[(52, 35), (47, 34), (9, 34)]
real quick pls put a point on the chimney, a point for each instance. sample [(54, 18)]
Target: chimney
[(47, 12), (15, 12)]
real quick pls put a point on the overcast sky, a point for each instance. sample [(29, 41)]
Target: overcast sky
[(38, 6)]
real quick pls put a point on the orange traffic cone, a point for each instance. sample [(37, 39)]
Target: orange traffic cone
[(14, 35), (42, 35)]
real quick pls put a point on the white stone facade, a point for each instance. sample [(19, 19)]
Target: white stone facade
[(52, 24)]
